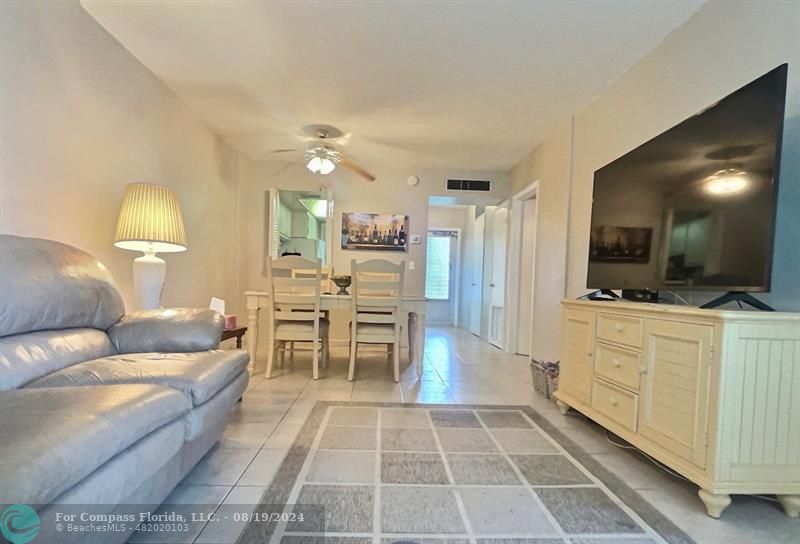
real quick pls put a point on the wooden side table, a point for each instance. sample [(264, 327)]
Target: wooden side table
[(237, 333)]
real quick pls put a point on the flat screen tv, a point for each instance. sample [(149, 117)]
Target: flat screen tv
[(694, 208)]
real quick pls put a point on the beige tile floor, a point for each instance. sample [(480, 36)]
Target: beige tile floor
[(458, 368)]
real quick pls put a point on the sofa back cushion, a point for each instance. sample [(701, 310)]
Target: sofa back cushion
[(47, 285), (27, 357)]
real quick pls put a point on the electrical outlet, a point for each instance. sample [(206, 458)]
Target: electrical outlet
[(411, 265)]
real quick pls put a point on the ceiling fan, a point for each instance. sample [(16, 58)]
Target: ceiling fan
[(321, 157)]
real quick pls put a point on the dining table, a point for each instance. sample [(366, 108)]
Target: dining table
[(414, 305)]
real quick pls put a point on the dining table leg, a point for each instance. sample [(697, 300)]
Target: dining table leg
[(416, 339), (252, 337)]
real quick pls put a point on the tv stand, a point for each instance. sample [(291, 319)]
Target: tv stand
[(741, 297), (684, 385), (599, 294)]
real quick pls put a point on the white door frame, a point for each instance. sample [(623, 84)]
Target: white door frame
[(488, 274), (457, 259), (513, 264)]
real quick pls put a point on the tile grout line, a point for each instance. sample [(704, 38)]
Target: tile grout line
[(462, 510), (376, 500), (649, 531), (524, 480), (238, 479), (261, 447), (280, 528)]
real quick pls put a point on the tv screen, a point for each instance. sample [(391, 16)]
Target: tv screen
[(694, 208)]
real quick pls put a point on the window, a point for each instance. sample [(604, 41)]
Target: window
[(437, 271)]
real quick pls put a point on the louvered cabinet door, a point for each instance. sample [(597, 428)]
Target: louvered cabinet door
[(675, 370), (577, 342)]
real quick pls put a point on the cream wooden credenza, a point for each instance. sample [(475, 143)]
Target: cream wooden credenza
[(714, 395)]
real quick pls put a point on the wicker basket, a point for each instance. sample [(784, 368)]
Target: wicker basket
[(545, 377)]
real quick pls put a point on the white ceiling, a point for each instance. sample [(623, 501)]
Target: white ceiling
[(437, 84)]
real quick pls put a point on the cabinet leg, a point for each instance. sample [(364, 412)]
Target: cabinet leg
[(715, 504), (562, 407), (791, 505)]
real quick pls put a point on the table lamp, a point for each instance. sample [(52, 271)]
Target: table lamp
[(150, 221)]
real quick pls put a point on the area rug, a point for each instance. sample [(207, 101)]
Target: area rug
[(361, 473)]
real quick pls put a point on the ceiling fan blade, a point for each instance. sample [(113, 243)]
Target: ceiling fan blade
[(350, 165), (283, 150)]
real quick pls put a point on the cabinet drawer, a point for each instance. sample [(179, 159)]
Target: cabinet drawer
[(615, 403), (621, 329), (617, 365)]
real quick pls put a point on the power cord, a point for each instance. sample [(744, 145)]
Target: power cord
[(678, 298), (651, 459), (666, 469)]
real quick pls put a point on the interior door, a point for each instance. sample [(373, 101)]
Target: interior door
[(497, 281), (674, 391), (577, 341), (475, 268)]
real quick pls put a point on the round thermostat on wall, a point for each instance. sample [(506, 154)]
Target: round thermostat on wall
[(412, 180)]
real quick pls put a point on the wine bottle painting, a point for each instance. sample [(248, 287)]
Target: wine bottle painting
[(374, 231)]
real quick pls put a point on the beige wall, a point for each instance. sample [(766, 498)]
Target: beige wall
[(549, 165), (389, 193), (723, 46), (81, 118), (447, 216)]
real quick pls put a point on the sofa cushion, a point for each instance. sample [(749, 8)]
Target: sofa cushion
[(168, 330), (54, 438), (218, 407), (198, 375), (26, 357), (48, 285)]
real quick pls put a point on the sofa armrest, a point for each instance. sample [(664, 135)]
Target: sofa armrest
[(168, 330)]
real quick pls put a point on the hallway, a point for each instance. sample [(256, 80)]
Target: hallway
[(459, 369)]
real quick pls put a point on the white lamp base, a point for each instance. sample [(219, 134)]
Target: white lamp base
[(148, 280)]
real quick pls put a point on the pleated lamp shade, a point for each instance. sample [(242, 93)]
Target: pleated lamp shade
[(150, 220)]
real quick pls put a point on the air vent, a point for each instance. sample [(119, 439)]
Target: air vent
[(468, 185)]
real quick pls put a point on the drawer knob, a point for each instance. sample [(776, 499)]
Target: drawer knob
[(617, 364), (619, 327), (614, 402)]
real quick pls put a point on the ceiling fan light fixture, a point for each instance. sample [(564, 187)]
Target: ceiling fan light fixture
[(727, 182), (327, 166), (314, 164), (322, 159)]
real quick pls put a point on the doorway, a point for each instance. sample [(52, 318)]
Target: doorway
[(442, 276), (298, 223)]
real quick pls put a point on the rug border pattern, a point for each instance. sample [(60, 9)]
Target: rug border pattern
[(279, 490)]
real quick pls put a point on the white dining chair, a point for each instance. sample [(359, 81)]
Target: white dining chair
[(326, 271), (377, 287), (295, 311)]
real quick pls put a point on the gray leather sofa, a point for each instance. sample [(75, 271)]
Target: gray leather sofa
[(97, 407)]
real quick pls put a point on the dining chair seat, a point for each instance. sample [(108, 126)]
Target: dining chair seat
[(383, 331), (283, 328)]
